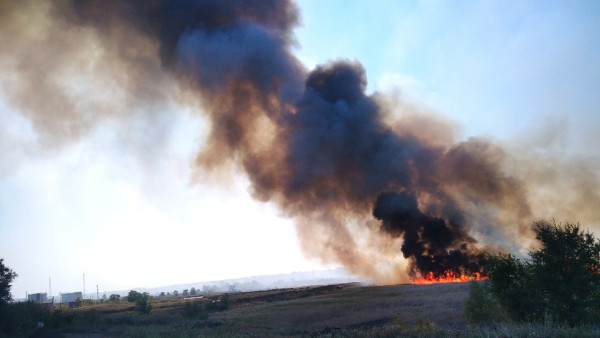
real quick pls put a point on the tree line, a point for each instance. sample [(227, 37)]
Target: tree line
[(558, 283)]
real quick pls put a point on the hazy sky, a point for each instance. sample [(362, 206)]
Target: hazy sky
[(525, 73)]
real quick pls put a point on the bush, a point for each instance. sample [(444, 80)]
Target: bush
[(560, 282), (424, 325), (144, 304), (224, 302), (61, 318), (482, 307), (514, 286), (122, 319), (20, 319), (194, 310), (220, 304), (88, 317)]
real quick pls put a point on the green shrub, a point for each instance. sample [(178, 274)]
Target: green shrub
[(124, 319), (424, 325), (559, 283), (514, 285), (143, 304), (482, 307), (20, 319), (397, 320), (194, 310), (89, 317), (61, 318), (220, 304)]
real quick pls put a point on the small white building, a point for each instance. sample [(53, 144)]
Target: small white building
[(70, 297), (38, 297)]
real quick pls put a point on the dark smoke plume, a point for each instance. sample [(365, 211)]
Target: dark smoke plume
[(314, 143), (435, 245)]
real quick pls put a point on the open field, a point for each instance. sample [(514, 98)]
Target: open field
[(346, 310), (325, 309)]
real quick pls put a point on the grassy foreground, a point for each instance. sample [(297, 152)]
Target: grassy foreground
[(350, 310)]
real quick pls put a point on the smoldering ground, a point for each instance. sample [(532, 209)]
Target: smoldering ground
[(386, 190)]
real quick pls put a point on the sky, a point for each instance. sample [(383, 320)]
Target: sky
[(524, 74)]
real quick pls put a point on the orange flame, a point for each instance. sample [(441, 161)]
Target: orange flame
[(447, 277)]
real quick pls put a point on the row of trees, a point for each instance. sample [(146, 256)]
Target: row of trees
[(559, 282), (184, 293)]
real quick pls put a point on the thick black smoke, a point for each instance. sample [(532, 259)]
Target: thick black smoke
[(330, 148), (434, 245), (340, 151), (314, 143)]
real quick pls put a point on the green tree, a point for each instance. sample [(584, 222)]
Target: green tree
[(175, 293), (133, 296), (193, 292), (6, 278), (185, 293), (560, 281), (567, 268), (224, 302), (162, 294), (114, 298), (143, 304), (514, 285), (482, 307)]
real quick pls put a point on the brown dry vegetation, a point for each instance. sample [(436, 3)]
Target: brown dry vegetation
[(329, 309), (352, 310)]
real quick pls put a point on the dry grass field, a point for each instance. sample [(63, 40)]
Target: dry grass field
[(329, 309), (347, 310)]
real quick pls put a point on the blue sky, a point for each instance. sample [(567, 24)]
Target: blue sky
[(521, 72), (498, 68)]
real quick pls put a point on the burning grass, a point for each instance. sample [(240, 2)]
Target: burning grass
[(448, 277)]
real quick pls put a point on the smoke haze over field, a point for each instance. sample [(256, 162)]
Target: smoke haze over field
[(372, 182)]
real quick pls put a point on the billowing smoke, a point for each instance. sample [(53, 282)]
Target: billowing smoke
[(436, 245), (386, 191)]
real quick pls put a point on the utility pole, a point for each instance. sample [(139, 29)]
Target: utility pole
[(97, 298), (49, 287), (83, 286)]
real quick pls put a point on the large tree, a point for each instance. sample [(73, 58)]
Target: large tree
[(561, 280), (6, 278), (567, 269)]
